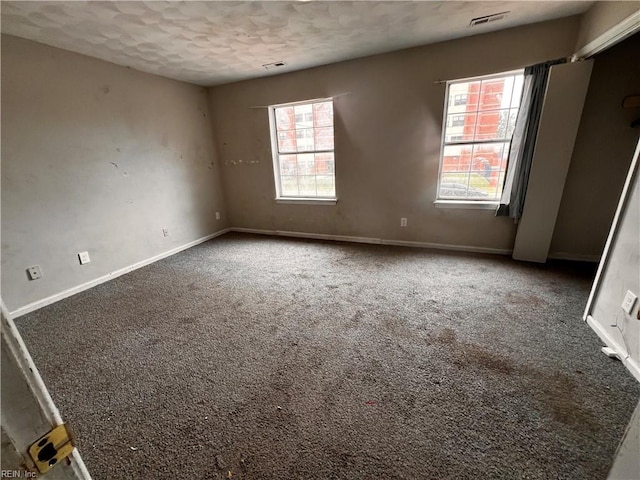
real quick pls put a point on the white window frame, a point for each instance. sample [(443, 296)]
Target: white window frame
[(276, 160), (466, 203)]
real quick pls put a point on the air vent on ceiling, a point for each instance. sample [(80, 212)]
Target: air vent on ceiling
[(271, 66), (488, 18)]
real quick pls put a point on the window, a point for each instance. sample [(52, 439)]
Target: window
[(480, 115), (460, 99), (302, 146), (456, 120)]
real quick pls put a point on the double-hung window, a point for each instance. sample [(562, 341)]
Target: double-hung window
[(479, 119), (303, 152)]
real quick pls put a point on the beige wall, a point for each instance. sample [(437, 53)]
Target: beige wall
[(101, 158), (388, 119), (601, 17), (602, 153), (621, 273)]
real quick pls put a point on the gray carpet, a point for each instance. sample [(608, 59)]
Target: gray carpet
[(252, 357)]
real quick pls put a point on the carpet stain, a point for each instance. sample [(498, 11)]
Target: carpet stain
[(557, 393), (471, 354), (357, 317), (525, 300), (447, 336), (466, 354)]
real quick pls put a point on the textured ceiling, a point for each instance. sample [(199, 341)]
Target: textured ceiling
[(211, 43)]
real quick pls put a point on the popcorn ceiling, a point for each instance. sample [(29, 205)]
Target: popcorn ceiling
[(210, 43)]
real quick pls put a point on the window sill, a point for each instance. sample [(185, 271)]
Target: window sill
[(307, 201), (466, 204)]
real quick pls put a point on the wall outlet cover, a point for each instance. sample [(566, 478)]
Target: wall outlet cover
[(403, 222), (217, 215), (629, 301), (34, 272), (84, 258)]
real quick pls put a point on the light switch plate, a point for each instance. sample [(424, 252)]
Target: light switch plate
[(84, 258), (629, 301)]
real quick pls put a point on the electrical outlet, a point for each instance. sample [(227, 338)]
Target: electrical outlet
[(34, 272), (84, 258), (165, 232), (629, 301), (403, 222), (217, 215)]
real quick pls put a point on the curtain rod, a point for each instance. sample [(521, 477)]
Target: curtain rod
[(302, 101), (566, 59)]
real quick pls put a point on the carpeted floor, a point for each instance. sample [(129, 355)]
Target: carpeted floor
[(252, 357)]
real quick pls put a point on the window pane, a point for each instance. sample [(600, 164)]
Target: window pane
[(500, 172), (455, 171), (487, 169), (303, 116), (284, 118), (287, 141), (506, 96), (323, 114), (463, 97), (325, 185), (455, 132), (511, 122), (517, 90), (289, 185), (306, 164), (304, 140), (491, 125), (325, 163), (491, 94), (324, 138), (307, 185), (473, 171), (288, 165)]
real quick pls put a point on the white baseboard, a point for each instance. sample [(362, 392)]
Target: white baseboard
[(376, 241), (575, 257), (632, 365), (109, 276), (282, 233)]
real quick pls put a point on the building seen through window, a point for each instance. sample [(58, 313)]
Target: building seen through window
[(303, 148), (480, 118)]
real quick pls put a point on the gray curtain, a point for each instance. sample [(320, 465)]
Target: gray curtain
[(524, 139)]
